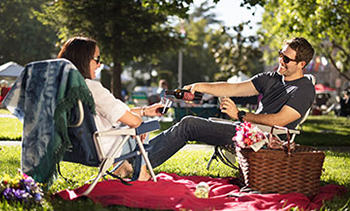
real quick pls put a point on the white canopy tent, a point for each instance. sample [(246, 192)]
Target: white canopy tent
[(10, 70), (238, 78), (124, 77)]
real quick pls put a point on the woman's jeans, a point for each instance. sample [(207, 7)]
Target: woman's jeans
[(190, 128), (130, 146)]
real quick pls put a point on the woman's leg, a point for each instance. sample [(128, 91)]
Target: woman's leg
[(125, 168), (190, 128)]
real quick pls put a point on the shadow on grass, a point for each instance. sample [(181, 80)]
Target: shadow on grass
[(322, 139)]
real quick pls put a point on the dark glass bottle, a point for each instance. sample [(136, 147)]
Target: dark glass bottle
[(184, 94)]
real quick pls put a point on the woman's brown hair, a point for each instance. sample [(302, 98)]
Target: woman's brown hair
[(79, 50)]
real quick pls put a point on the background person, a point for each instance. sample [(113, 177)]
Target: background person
[(4, 89), (162, 86)]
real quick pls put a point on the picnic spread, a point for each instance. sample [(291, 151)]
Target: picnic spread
[(174, 192)]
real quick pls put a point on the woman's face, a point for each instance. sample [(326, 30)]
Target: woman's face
[(95, 63)]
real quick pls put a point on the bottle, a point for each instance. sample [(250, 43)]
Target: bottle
[(184, 94), (202, 190)]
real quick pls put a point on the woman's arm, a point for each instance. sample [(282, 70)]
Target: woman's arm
[(150, 110), (131, 119)]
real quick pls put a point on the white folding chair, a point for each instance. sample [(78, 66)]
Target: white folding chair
[(106, 158), (227, 155)]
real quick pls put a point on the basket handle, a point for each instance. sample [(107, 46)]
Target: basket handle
[(288, 135)]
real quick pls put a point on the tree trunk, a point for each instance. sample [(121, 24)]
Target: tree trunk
[(335, 66), (116, 83)]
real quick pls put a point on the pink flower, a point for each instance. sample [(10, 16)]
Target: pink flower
[(247, 135)]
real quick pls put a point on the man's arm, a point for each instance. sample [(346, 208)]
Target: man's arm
[(242, 89), (285, 116)]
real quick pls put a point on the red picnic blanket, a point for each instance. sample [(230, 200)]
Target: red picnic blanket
[(173, 192)]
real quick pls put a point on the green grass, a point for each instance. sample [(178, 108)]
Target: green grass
[(10, 128), (189, 162), (325, 130), (316, 131)]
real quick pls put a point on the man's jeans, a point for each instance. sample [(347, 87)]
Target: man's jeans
[(190, 128)]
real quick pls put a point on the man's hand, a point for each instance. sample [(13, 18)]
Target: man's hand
[(196, 87), (228, 107)]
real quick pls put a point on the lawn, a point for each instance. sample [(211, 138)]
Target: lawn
[(327, 130)]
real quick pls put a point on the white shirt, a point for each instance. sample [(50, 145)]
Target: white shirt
[(108, 111)]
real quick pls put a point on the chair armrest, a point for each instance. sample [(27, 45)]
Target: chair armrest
[(80, 114), (148, 126), (126, 131), (145, 127), (264, 128)]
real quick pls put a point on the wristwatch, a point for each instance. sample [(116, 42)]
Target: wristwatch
[(241, 115)]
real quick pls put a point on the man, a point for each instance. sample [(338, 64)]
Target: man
[(287, 95)]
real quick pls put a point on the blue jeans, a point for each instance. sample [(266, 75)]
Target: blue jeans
[(190, 128), (130, 146)]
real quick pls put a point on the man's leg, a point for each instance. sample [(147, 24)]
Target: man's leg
[(190, 128)]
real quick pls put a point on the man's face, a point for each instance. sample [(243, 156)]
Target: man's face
[(290, 68)]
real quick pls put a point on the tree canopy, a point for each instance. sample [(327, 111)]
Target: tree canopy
[(212, 51), (325, 23), (125, 30), (22, 37)]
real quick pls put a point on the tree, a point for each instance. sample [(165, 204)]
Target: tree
[(325, 23), (211, 54), (198, 61), (125, 29), (22, 37), (235, 52)]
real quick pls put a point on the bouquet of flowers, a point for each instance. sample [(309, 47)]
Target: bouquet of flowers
[(21, 188), (249, 136)]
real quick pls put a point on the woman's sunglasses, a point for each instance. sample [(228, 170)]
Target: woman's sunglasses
[(285, 58), (97, 59)]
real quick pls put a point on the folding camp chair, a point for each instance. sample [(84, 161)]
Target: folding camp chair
[(226, 154), (56, 108), (87, 143)]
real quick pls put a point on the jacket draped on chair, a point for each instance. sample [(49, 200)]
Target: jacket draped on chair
[(42, 98)]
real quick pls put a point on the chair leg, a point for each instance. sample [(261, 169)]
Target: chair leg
[(213, 156), (144, 154), (104, 167), (145, 157)]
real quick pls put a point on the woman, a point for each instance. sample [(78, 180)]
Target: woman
[(110, 112)]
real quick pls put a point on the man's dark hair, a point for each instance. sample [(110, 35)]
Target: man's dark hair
[(79, 50), (304, 50)]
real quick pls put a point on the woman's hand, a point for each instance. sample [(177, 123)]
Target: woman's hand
[(143, 137), (151, 110), (228, 107)]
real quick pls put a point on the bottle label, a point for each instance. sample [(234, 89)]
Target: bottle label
[(188, 96)]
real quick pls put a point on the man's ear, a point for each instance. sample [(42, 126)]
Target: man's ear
[(302, 64)]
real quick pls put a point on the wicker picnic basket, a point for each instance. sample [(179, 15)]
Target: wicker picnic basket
[(281, 171)]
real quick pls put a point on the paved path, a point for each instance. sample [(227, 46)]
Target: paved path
[(10, 143), (7, 116), (197, 146)]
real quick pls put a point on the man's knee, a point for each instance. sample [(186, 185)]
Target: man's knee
[(191, 120)]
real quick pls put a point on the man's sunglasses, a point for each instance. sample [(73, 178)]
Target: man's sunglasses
[(286, 59), (97, 59)]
